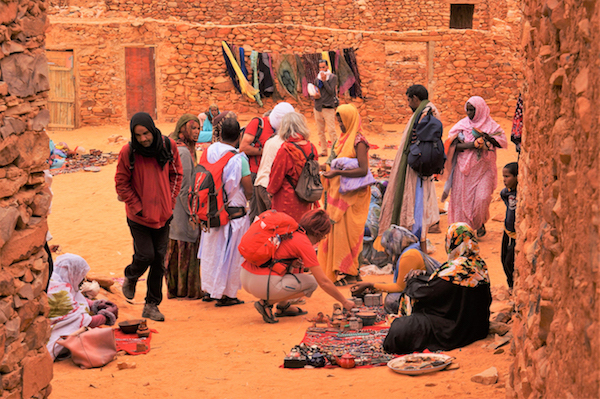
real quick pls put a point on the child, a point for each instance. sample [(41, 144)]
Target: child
[(509, 196)]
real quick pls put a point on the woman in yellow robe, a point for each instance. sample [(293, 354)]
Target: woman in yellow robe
[(338, 252)]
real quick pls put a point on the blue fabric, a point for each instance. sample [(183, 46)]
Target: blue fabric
[(411, 246), (418, 226), (205, 136), (243, 63), (231, 72)]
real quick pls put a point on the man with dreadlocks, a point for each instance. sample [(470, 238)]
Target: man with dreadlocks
[(148, 180)]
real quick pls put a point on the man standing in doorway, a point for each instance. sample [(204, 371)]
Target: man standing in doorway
[(410, 200), (148, 180), (325, 104)]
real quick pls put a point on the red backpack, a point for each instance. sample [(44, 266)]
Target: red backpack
[(264, 236), (207, 199)]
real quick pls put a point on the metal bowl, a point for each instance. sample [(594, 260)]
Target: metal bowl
[(130, 326)]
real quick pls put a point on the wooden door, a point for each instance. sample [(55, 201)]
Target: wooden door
[(61, 98), (139, 75)]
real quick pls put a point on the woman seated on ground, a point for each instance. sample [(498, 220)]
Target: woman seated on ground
[(206, 123), (69, 309), (273, 288), (451, 307), (405, 249)]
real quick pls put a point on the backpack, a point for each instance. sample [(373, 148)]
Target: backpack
[(207, 199), (426, 156), (263, 238), (258, 133), (166, 142), (309, 187)]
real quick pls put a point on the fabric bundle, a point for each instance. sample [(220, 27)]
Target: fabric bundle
[(244, 86)]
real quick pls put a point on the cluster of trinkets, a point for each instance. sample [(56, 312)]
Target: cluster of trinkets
[(359, 348)]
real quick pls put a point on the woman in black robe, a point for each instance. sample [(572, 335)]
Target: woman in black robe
[(450, 308)]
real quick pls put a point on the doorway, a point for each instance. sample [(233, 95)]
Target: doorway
[(61, 98), (140, 80)]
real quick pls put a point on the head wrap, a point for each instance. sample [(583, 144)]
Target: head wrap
[(209, 114), (185, 118), (351, 120), (157, 149), (464, 266), (396, 239), (482, 120), (69, 309), (218, 124), (278, 112)]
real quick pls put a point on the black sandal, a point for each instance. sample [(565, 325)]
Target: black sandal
[(285, 312), (262, 307), (206, 298), (226, 301)]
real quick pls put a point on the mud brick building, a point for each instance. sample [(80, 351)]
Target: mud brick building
[(103, 55)]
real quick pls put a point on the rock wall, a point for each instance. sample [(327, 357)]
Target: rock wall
[(191, 74), (341, 14), (557, 331), (25, 365)]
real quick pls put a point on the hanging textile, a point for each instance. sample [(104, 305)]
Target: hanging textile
[(287, 77), (350, 57), (242, 61), (334, 61), (325, 56), (255, 75), (265, 79), (231, 71), (302, 82), (245, 86), (311, 66), (345, 75)]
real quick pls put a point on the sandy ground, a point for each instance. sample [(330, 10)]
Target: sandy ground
[(231, 352)]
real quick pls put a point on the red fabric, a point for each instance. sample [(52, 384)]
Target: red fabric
[(150, 189), (287, 163), (264, 136), (299, 246), (128, 342)]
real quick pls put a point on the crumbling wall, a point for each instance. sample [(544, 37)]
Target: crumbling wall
[(25, 365), (191, 74), (557, 331), (341, 14)]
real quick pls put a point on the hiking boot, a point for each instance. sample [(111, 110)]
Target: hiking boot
[(151, 312), (129, 288)]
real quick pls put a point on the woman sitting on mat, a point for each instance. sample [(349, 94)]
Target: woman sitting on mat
[(404, 247), (450, 308), (69, 309), (280, 288)]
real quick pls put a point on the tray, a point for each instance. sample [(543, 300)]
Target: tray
[(420, 363)]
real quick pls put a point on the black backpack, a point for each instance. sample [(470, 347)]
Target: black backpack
[(426, 155)]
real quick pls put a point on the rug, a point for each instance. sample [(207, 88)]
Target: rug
[(129, 342), (365, 345)]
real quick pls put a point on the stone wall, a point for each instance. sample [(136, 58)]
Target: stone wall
[(375, 15), (557, 331), (191, 74), (25, 365)]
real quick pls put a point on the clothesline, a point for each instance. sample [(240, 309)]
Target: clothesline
[(288, 74)]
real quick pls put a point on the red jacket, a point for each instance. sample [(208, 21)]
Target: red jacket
[(150, 189)]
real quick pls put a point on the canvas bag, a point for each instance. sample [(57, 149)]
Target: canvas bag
[(426, 156), (207, 199), (309, 187), (92, 347)]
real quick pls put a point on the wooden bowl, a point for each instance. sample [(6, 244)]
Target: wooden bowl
[(130, 326)]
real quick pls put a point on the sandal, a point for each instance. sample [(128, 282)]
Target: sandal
[(206, 298), (481, 231), (226, 301), (347, 280), (262, 307), (285, 312)]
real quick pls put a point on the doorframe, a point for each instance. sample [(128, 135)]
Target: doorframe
[(76, 107), (156, 76)]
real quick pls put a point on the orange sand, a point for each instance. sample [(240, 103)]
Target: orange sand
[(230, 352)]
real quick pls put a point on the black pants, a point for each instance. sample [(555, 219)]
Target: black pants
[(150, 247), (508, 258)]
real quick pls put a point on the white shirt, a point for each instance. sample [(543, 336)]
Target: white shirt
[(268, 156)]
